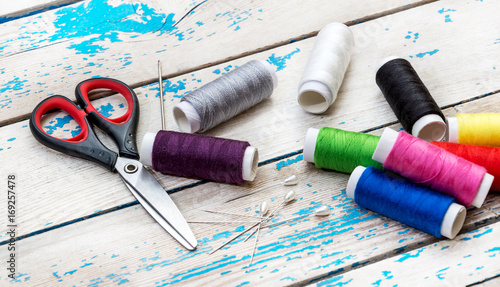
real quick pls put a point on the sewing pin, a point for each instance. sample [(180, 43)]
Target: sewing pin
[(288, 198), (229, 213), (291, 180), (264, 208), (223, 221), (160, 83), (322, 210)]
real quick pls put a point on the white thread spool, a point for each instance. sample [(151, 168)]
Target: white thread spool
[(325, 68)]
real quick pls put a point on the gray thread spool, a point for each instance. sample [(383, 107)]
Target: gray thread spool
[(225, 97)]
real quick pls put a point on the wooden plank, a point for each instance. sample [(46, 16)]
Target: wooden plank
[(16, 9), (128, 246), (470, 258), (490, 282), (51, 178), (128, 44)]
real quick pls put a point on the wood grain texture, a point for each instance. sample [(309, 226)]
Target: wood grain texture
[(11, 10), (457, 61), (470, 258), (50, 177), (128, 246), (124, 40)]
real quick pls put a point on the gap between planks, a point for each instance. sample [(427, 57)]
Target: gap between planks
[(34, 10), (263, 163), (356, 21)]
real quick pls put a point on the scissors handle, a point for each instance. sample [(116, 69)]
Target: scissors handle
[(123, 129), (85, 145)]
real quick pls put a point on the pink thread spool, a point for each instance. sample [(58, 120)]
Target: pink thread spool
[(423, 163)]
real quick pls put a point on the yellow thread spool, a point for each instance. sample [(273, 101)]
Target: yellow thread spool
[(475, 129)]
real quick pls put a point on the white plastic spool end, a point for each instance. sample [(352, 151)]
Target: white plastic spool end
[(353, 181), (483, 190), (315, 97), (453, 220), (385, 145), (337, 27), (429, 128), (186, 117), (271, 71), (310, 144), (384, 61), (250, 163), (452, 130), (147, 148)]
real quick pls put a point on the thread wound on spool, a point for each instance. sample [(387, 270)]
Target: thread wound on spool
[(229, 95), (485, 156), (325, 68), (423, 163), (410, 99), (199, 156), (343, 150), (479, 129), (408, 203)]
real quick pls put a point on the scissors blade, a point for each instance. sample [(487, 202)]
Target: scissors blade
[(156, 201)]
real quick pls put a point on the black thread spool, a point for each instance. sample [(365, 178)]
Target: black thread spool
[(410, 100)]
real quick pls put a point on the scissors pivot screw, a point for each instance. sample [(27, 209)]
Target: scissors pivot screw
[(130, 168)]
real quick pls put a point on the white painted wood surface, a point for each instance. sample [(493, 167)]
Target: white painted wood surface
[(129, 50), (21, 8), (470, 258), (77, 236)]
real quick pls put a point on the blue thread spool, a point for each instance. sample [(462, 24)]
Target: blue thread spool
[(414, 205)]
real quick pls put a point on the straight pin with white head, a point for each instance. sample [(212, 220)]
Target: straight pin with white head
[(263, 209), (322, 210), (228, 221), (290, 196), (291, 180)]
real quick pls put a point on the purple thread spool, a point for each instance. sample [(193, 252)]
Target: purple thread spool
[(200, 156)]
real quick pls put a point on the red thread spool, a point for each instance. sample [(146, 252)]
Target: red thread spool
[(485, 156)]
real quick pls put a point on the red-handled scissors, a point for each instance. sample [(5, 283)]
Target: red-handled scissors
[(122, 129)]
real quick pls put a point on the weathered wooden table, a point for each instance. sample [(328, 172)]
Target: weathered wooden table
[(78, 224)]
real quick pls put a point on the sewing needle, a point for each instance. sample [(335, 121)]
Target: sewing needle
[(160, 83)]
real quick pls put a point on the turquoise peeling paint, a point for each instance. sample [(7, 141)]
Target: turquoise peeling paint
[(447, 17), (17, 87), (488, 230), (415, 36), (280, 61), (289, 161), (105, 110), (104, 22), (98, 23), (311, 239), (387, 274), (430, 53), (334, 281), (409, 255), (494, 249), (57, 123), (69, 272)]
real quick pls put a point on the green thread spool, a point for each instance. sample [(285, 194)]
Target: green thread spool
[(340, 150)]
